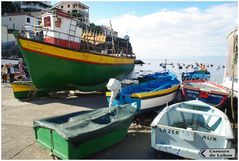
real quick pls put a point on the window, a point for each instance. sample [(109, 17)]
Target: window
[(10, 19), (39, 22), (28, 19), (68, 6), (61, 6), (58, 22), (47, 21)]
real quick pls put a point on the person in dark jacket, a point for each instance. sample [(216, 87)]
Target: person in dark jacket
[(11, 73)]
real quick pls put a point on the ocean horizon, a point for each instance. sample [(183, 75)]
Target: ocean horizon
[(153, 65)]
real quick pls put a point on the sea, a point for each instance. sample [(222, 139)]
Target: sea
[(216, 68)]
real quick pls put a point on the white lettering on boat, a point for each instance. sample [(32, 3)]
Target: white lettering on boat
[(193, 92), (217, 96)]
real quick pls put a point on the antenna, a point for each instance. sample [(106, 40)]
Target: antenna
[(164, 65), (112, 36)]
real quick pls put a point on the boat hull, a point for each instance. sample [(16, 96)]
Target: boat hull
[(157, 101), (55, 69), (78, 135), (212, 97), (186, 128), (66, 150), (23, 90), (185, 148), (149, 100)]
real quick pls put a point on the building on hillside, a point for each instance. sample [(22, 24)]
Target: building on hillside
[(16, 21), (9, 49), (33, 5), (109, 31), (76, 9), (8, 40)]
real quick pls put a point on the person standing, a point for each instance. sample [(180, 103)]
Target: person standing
[(12, 72), (4, 71), (21, 69)]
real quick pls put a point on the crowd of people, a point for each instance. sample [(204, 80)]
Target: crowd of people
[(8, 73)]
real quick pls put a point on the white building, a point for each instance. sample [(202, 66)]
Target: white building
[(8, 40), (76, 9), (17, 21)]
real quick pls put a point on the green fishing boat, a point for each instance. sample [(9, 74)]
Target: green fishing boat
[(59, 57), (26, 89), (78, 135)]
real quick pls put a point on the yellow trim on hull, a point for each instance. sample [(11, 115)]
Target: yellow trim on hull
[(150, 94), (22, 88), (75, 55), (108, 94)]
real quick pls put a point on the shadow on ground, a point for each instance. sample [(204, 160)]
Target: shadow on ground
[(92, 100)]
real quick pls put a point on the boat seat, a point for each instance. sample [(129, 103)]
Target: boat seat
[(196, 112)]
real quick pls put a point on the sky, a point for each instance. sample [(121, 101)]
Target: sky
[(172, 30)]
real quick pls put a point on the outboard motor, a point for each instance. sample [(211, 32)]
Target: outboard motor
[(114, 86), (183, 78)]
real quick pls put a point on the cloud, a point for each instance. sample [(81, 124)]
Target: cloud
[(182, 33)]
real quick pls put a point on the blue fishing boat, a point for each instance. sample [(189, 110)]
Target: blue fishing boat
[(201, 74), (155, 92), (186, 128), (205, 91), (157, 75)]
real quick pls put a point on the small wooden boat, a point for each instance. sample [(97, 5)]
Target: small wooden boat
[(205, 91), (201, 74), (26, 89), (149, 94), (80, 134), (185, 128)]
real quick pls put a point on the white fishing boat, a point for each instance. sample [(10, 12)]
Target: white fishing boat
[(157, 89), (185, 128)]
